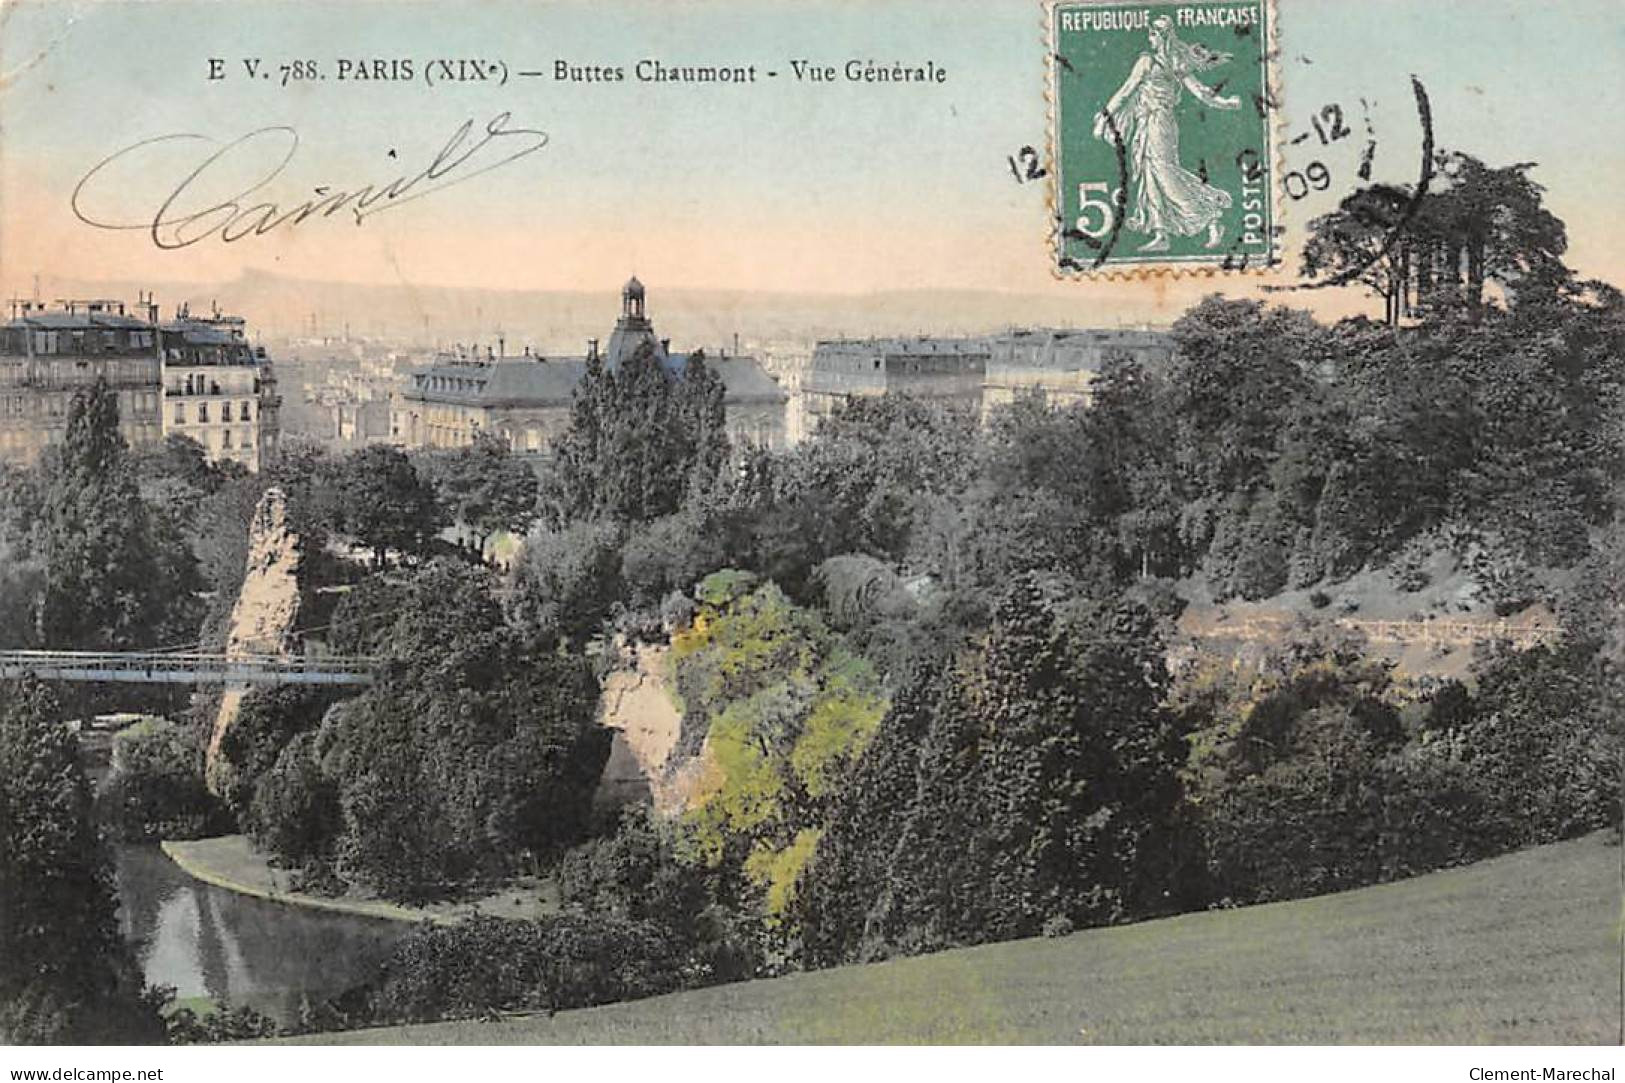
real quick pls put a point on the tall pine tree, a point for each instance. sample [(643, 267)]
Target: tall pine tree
[(113, 581), (640, 438)]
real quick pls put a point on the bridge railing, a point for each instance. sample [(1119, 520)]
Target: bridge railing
[(187, 668)]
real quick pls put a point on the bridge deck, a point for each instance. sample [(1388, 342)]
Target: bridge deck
[(135, 667)]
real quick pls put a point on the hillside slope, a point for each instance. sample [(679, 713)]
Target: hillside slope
[(1522, 949)]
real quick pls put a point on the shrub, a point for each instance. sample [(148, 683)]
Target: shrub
[(486, 964), (156, 787), (267, 719), (567, 581), (1541, 740), (229, 1024), (1409, 565), (638, 875), (295, 812), (666, 555), (1312, 787)]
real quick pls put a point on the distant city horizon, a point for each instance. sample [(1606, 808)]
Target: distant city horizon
[(285, 307)]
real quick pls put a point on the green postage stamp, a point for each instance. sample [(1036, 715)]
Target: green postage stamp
[(1161, 120)]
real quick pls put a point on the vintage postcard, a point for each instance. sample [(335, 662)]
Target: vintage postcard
[(834, 523)]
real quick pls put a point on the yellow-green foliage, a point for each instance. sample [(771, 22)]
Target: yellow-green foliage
[(778, 872), (838, 729), (787, 710)]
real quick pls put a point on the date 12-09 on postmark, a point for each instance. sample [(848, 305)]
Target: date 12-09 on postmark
[(1160, 135)]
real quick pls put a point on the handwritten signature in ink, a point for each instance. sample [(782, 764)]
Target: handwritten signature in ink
[(202, 205)]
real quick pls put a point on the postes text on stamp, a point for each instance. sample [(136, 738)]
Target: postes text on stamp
[(1160, 135)]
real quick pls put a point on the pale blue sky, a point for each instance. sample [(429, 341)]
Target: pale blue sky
[(778, 185)]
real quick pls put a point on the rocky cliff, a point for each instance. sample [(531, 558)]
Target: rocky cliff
[(644, 761), (262, 621)]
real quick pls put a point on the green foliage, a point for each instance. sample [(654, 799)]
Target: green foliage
[(484, 964), (568, 581), (1542, 744), (267, 719), (271, 775), (473, 756), (230, 1023), (474, 753), (1475, 224), (1306, 453), (785, 711), (1306, 782), (315, 482), (295, 810), (219, 537), (22, 582), (861, 484), (638, 875), (156, 790), (484, 486), (68, 977), (670, 554), (1031, 779), (639, 439), (386, 504), (116, 577), (725, 587)]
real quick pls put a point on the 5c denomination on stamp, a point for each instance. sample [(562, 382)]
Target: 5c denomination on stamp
[(1161, 135)]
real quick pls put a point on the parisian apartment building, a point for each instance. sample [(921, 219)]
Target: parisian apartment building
[(195, 376)]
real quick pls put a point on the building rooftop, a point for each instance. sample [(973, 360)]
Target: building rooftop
[(551, 381), (63, 320), (918, 344)]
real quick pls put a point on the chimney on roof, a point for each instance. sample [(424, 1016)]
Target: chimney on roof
[(592, 349), (502, 347)]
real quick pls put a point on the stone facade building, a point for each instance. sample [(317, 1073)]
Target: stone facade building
[(218, 389), (979, 374), (49, 353), (945, 369), (1060, 366), (526, 399)]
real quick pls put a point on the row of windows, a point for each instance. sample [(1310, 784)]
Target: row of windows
[(196, 384), (32, 435), (244, 412), (47, 342), (130, 403)]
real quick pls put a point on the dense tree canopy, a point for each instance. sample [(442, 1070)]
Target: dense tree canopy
[(387, 505), (1028, 783), (67, 977), (116, 577), (1474, 225), (484, 487), (474, 754), (639, 438), (784, 711)]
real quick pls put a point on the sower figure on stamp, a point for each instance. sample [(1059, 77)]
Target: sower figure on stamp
[(1165, 196)]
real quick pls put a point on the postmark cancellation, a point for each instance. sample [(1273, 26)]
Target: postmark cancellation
[(1162, 144)]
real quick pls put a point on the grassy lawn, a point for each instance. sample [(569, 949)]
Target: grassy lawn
[(1522, 949)]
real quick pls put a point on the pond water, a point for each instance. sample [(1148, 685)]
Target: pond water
[(208, 942)]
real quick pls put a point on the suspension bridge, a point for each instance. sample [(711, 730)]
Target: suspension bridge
[(167, 667)]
